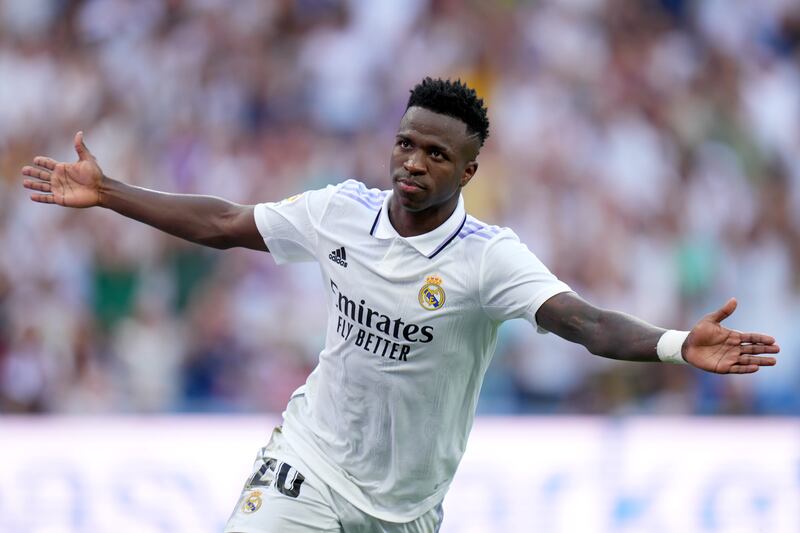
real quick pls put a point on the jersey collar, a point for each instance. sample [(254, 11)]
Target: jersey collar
[(428, 244)]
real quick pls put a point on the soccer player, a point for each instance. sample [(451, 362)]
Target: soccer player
[(416, 290)]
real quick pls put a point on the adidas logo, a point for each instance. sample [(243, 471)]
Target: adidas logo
[(339, 256)]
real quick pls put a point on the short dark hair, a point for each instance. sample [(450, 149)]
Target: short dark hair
[(455, 99)]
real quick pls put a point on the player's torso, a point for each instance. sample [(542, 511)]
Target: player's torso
[(392, 307), (393, 303), (391, 401)]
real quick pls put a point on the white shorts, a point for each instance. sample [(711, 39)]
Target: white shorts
[(283, 496)]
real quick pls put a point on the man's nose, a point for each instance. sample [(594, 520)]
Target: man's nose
[(414, 164)]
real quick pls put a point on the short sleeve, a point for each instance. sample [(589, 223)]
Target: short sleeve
[(514, 283), (290, 227)]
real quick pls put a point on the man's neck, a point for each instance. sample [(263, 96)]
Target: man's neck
[(410, 224)]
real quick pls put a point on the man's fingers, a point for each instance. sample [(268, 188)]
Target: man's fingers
[(80, 147), (36, 172), (46, 162), (43, 198), (748, 359), (723, 312), (35, 185), (743, 369), (759, 348), (757, 338)]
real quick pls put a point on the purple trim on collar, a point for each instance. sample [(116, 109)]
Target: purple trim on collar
[(375, 224), (450, 238)]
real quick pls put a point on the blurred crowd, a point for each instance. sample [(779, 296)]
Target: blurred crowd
[(648, 151)]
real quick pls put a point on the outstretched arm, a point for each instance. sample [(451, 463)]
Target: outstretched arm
[(709, 345), (204, 220)]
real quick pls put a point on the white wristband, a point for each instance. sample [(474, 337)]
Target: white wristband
[(669, 346)]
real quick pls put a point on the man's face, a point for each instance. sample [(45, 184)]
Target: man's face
[(433, 157)]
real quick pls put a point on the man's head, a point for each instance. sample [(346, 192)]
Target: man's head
[(454, 99), (437, 144)]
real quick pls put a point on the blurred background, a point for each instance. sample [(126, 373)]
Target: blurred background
[(648, 151)]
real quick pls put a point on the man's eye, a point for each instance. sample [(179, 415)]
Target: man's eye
[(404, 143), (436, 154)]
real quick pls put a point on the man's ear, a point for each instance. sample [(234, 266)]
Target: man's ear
[(469, 172)]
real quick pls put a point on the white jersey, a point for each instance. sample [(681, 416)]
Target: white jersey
[(412, 324)]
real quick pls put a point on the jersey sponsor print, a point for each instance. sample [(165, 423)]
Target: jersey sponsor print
[(375, 332)]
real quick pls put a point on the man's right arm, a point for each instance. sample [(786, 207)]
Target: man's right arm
[(205, 220)]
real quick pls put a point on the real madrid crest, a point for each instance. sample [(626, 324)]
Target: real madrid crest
[(252, 503), (431, 295)]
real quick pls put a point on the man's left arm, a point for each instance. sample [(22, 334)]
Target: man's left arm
[(709, 345)]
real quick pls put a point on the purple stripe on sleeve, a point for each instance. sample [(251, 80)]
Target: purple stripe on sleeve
[(361, 190), (474, 231), (363, 201)]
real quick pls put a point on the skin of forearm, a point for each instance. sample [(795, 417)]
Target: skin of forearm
[(620, 336), (195, 218), (606, 333)]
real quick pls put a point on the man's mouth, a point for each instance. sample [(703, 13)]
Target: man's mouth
[(408, 185)]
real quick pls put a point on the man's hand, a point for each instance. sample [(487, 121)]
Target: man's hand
[(68, 184), (206, 220), (715, 348)]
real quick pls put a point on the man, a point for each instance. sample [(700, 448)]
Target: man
[(416, 290)]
